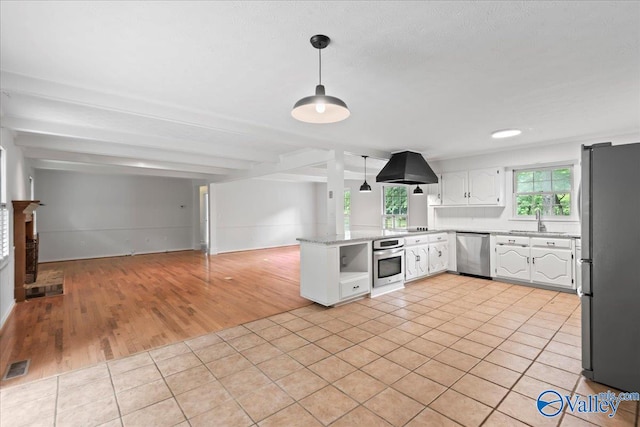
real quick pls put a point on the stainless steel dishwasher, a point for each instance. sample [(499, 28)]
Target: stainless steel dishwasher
[(472, 254)]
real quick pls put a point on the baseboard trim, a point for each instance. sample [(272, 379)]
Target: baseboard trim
[(3, 321)]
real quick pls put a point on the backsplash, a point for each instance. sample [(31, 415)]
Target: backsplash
[(491, 218)]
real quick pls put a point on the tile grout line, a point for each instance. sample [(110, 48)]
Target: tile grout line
[(115, 395)]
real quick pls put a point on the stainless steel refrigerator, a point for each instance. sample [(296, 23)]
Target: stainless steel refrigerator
[(610, 291)]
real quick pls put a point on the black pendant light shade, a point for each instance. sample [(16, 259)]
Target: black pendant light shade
[(365, 187), (418, 190), (320, 108)]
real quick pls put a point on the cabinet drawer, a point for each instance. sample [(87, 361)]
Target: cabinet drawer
[(416, 240), (551, 243), (438, 237), (354, 287), (512, 240)]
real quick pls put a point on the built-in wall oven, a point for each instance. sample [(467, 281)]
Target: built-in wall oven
[(388, 261)]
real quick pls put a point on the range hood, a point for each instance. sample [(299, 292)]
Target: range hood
[(407, 167)]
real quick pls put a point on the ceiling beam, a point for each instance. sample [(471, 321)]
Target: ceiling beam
[(104, 148), (288, 162), (111, 170), (44, 154), (244, 156)]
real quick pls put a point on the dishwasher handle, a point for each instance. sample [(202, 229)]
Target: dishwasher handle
[(471, 234)]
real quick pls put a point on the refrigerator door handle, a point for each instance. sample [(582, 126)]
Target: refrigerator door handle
[(585, 268), (586, 335)]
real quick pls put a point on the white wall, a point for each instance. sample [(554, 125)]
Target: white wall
[(91, 215), (253, 214), (502, 218), (18, 172)]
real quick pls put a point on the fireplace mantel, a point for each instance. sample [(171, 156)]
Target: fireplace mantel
[(22, 229)]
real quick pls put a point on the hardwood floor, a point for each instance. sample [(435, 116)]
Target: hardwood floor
[(114, 307)]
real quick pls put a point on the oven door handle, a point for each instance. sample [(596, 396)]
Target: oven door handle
[(386, 252)]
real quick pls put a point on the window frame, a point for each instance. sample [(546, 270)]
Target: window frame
[(395, 218), (546, 217)]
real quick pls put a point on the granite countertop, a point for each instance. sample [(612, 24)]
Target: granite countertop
[(367, 236)]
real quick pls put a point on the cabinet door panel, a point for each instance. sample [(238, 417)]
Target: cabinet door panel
[(484, 187), (410, 262), (438, 257), (513, 261), (423, 261), (454, 188), (434, 193), (552, 266)]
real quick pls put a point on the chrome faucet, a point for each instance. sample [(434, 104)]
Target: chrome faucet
[(541, 227)]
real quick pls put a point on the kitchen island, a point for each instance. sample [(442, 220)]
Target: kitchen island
[(339, 268)]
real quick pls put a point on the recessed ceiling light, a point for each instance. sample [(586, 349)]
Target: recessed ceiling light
[(506, 133)]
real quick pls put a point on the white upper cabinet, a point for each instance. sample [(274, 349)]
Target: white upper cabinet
[(475, 187), (484, 186), (434, 192), (454, 188)]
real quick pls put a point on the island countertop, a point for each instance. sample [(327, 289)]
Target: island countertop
[(369, 235)]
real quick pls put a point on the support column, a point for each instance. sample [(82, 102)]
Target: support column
[(335, 193)]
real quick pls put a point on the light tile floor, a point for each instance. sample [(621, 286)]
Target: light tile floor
[(445, 351)]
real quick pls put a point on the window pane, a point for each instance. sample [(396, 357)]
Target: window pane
[(560, 174), (524, 176), (562, 204), (387, 222), (542, 186), (523, 206), (562, 184), (401, 222), (543, 175), (347, 202), (524, 187)]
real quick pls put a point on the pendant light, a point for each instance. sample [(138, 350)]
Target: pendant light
[(365, 188), (320, 108), (418, 190)]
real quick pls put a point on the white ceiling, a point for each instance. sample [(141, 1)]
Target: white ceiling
[(204, 90)]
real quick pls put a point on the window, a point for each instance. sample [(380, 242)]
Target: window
[(347, 208), (394, 207), (548, 189), (4, 212)]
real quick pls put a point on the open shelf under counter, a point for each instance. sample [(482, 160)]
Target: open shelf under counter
[(333, 274)]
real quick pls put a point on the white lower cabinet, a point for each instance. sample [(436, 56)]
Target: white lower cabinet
[(438, 257), (553, 266), (545, 261), (416, 262), (425, 255), (513, 262)]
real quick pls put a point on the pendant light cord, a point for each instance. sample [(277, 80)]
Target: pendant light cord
[(320, 66)]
